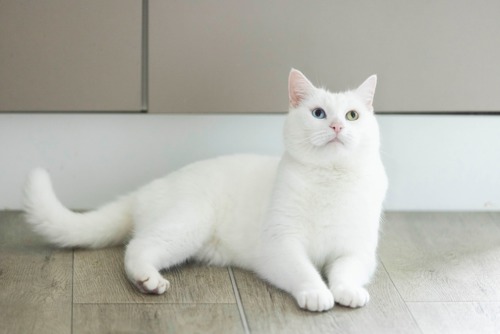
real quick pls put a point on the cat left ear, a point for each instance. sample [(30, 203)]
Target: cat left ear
[(299, 87), (367, 91)]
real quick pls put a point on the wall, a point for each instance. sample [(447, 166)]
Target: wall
[(434, 162)]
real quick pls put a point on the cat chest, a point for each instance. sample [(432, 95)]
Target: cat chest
[(337, 219), (328, 202)]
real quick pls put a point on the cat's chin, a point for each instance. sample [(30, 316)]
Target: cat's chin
[(330, 155), (335, 145)]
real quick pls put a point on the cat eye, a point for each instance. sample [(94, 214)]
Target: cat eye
[(319, 113), (352, 115)]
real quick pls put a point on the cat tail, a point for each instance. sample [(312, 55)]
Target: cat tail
[(109, 225)]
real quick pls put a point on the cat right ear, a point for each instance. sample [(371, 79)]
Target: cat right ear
[(367, 91), (299, 87)]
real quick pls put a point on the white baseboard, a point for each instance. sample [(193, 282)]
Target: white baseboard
[(445, 163)]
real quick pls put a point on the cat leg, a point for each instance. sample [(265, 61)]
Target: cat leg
[(143, 260), (347, 275), (288, 267), (173, 243)]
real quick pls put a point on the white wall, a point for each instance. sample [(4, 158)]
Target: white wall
[(434, 162)]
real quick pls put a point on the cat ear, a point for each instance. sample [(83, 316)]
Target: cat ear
[(299, 87), (367, 91)]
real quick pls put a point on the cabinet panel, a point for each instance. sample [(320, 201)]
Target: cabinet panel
[(234, 56), (79, 55)]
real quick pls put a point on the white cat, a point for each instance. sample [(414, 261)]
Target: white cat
[(314, 211)]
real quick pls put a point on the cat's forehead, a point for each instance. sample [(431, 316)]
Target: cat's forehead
[(336, 101)]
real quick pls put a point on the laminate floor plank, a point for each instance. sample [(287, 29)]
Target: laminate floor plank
[(100, 278), (35, 281), (156, 318), (439, 273), (269, 310), (443, 256), (457, 317)]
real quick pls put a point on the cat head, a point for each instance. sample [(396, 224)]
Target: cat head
[(328, 129)]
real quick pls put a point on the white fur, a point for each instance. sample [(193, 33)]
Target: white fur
[(314, 211)]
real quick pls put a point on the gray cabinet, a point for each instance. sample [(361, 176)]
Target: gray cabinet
[(235, 55), (79, 55)]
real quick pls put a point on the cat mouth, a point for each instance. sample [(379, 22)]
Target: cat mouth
[(335, 140)]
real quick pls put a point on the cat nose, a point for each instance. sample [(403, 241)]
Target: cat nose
[(336, 127)]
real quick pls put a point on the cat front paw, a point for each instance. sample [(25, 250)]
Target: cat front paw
[(153, 284), (351, 296), (316, 300)]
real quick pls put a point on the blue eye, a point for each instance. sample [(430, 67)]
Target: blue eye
[(319, 113)]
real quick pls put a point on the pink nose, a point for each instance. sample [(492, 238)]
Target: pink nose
[(336, 127)]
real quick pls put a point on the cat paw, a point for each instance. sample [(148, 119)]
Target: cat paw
[(351, 296), (316, 300), (153, 284)]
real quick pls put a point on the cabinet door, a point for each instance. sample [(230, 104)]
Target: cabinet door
[(235, 55), (78, 55)]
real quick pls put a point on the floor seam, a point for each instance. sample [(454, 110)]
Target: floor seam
[(140, 303), (400, 296), (451, 301), (72, 288), (239, 304)]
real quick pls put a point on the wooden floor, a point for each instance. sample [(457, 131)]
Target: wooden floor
[(438, 273)]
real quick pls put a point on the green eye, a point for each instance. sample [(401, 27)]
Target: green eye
[(352, 115)]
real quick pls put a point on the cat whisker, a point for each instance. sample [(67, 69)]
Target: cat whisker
[(320, 138)]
